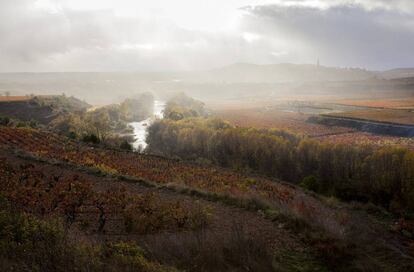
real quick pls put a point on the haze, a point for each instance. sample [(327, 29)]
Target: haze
[(126, 35)]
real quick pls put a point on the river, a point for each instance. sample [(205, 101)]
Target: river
[(140, 128)]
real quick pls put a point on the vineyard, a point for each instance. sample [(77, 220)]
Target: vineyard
[(365, 138), (106, 206), (294, 122), (99, 207), (166, 171), (407, 103), (73, 197), (175, 173), (14, 98), (405, 117)]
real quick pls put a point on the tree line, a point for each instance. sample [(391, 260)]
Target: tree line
[(382, 175)]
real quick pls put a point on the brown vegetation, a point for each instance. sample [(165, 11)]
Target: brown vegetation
[(407, 103), (210, 183), (14, 98), (161, 223), (405, 117), (273, 118), (383, 176)]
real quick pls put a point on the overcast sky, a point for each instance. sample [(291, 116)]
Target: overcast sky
[(160, 35)]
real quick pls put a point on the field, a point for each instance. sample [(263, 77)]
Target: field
[(246, 115), (14, 98), (94, 207), (364, 138), (405, 117), (156, 169), (407, 103), (274, 118)]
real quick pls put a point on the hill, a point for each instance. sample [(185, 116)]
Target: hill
[(398, 73), (237, 80), (43, 109), (243, 72), (174, 209)]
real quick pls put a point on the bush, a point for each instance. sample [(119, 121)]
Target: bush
[(126, 146), (311, 183), (130, 257), (33, 124), (72, 135), (4, 121), (91, 138)]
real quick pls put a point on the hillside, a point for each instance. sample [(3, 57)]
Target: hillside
[(42, 109), (298, 228)]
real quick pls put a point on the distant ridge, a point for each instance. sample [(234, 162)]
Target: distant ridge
[(398, 73), (228, 81), (287, 72)]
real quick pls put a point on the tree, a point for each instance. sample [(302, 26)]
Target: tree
[(99, 124)]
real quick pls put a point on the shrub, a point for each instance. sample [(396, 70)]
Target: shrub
[(130, 257), (311, 183), (33, 123), (72, 135), (91, 138), (4, 121), (126, 146)]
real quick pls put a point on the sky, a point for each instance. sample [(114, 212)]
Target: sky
[(166, 35)]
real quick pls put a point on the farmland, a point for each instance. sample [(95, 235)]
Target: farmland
[(160, 170), (192, 182), (407, 103), (404, 117), (43, 191), (272, 117), (365, 138), (14, 98), (102, 210)]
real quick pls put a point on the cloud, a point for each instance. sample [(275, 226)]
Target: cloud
[(375, 34), (347, 35)]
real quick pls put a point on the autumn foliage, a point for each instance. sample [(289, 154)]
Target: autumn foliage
[(366, 173)]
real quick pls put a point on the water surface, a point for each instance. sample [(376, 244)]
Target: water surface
[(140, 128)]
